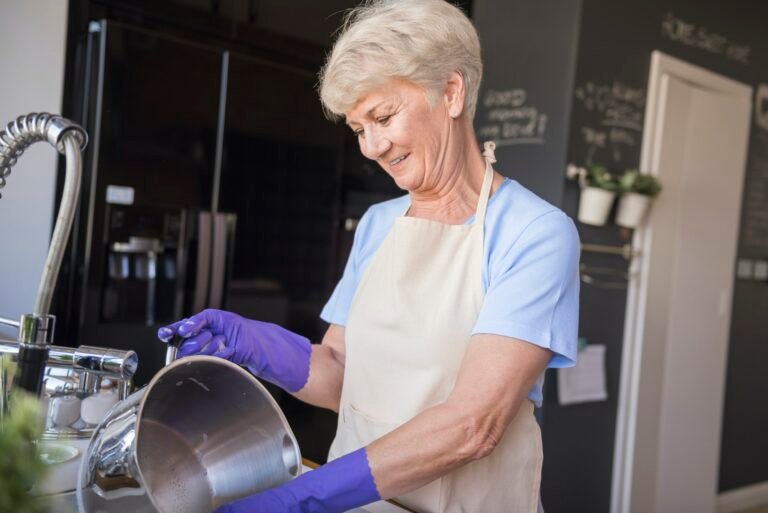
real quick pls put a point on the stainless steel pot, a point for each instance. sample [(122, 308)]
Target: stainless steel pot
[(204, 432)]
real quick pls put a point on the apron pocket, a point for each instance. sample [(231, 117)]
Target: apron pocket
[(358, 429)]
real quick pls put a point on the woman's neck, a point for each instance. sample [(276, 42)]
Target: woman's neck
[(454, 198)]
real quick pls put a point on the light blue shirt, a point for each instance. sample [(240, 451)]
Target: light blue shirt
[(530, 271)]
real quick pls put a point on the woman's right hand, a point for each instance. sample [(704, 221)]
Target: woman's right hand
[(267, 350)]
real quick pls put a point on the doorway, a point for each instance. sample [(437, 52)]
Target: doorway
[(679, 298)]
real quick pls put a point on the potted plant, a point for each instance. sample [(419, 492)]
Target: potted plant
[(21, 466), (598, 190), (638, 190)]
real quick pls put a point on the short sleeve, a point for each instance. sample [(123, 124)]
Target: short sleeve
[(336, 309), (532, 292)]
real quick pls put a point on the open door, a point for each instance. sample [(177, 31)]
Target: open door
[(679, 300)]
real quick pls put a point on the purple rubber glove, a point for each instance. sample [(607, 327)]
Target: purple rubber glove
[(339, 486), (267, 350)]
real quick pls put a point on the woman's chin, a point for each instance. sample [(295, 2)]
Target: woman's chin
[(405, 181)]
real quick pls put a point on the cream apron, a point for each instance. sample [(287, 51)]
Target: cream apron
[(408, 328)]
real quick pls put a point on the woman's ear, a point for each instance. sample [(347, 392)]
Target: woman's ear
[(453, 95)]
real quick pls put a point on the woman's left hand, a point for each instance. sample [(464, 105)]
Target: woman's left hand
[(338, 486)]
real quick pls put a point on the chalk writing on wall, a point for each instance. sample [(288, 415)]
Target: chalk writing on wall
[(754, 224), (510, 119), (690, 34), (615, 113), (761, 107)]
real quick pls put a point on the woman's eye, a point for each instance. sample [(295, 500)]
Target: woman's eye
[(382, 120), (358, 133)]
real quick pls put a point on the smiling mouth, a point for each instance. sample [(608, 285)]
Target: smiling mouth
[(398, 160)]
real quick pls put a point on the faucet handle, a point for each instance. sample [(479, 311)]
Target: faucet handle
[(33, 329), (35, 337), (173, 348), (36, 330)]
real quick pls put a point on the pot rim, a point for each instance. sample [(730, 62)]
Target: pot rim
[(188, 360)]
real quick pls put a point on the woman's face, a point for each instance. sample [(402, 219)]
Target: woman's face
[(397, 127)]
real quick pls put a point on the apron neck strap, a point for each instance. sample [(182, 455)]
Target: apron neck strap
[(490, 158)]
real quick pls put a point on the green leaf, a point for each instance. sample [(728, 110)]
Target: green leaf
[(640, 183), (20, 463), (600, 177)]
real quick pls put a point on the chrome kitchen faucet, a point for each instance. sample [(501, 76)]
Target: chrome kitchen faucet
[(33, 351)]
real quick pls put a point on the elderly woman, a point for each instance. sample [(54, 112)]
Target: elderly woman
[(455, 298)]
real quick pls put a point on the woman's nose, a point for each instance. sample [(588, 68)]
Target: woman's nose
[(374, 144)]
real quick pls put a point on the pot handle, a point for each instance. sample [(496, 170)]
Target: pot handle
[(173, 348)]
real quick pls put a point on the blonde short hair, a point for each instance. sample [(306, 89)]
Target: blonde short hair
[(422, 41)]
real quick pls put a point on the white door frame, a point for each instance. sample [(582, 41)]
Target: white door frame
[(662, 65)]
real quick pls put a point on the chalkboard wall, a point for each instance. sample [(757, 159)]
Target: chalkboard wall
[(594, 93), (527, 113)]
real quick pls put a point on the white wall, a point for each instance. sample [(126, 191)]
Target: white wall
[(32, 48)]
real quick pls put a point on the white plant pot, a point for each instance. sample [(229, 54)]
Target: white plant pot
[(595, 205), (632, 209)]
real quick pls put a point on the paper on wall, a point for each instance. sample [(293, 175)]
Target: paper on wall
[(586, 381)]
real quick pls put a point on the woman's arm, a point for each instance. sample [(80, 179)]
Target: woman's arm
[(326, 371), (496, 375)]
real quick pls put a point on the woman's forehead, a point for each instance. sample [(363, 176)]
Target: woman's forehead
[(392, 91)]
